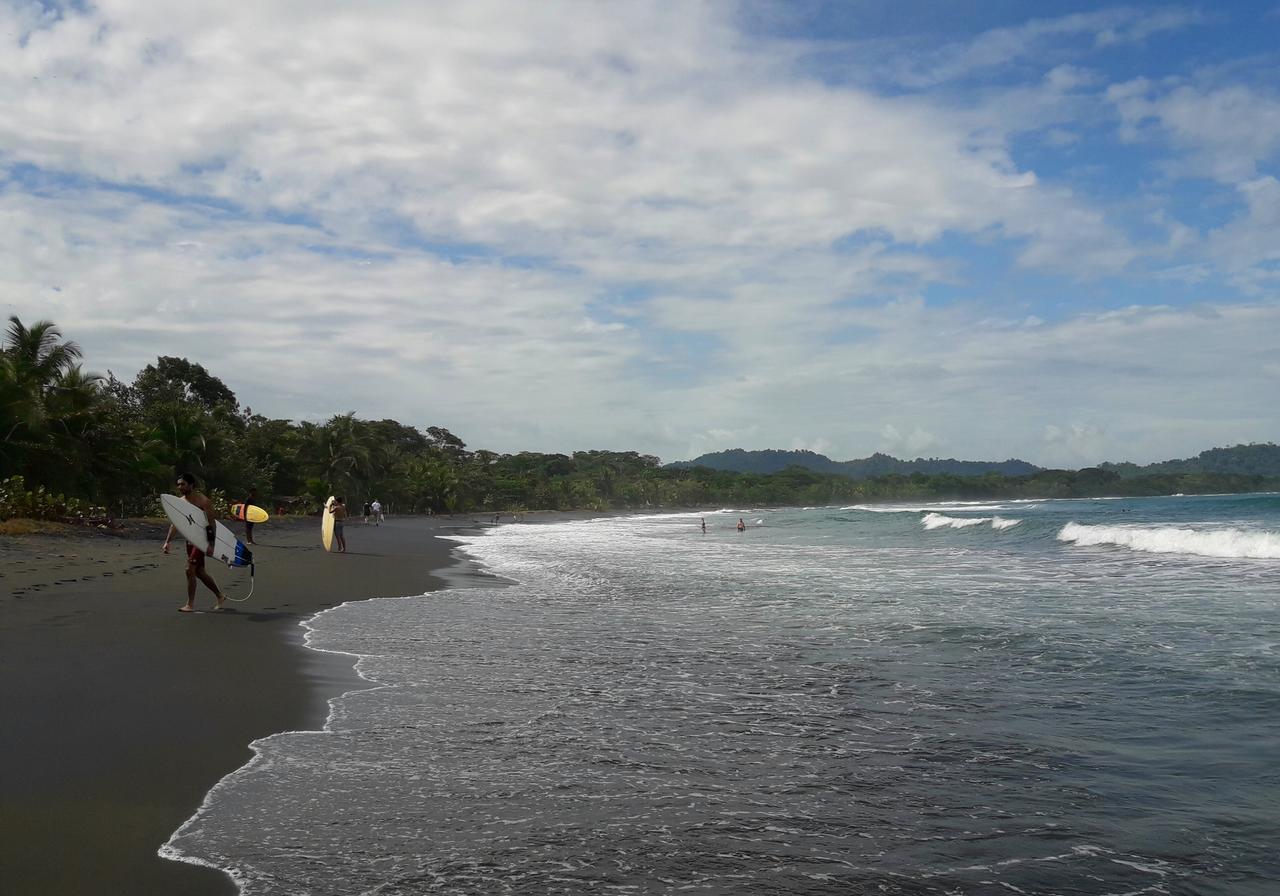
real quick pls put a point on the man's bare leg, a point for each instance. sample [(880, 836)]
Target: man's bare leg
[(190, 605), (212, 586)]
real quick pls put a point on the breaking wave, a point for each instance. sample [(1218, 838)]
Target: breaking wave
[(962, 506), (1234, 543), (938, 521)]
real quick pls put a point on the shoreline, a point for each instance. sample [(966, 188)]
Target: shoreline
[(121, 714)]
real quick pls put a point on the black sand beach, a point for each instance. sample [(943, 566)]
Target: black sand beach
[(120, 713)]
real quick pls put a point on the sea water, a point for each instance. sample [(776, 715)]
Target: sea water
[(1044, 697)]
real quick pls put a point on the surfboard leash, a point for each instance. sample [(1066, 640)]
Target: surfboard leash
[(252, 582)]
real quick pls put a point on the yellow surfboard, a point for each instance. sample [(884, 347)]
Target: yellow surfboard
[(249, 512), (326, 524)]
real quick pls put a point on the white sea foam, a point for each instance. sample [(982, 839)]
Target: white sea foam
[(1236, 543), (942, 507), (917, 508), (939, 521)]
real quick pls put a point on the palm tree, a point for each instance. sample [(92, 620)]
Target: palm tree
[(340, 451), (39, 379), (432, 483), (183, 438), (39, 349)]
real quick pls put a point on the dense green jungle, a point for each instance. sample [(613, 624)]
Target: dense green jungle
[(78, 444)]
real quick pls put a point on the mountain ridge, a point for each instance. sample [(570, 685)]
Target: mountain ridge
[(1257, 458)]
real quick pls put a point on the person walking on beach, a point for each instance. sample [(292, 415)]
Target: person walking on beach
[(195, 556), (339, 517), (704, 525), (377, 512), (252, 500)]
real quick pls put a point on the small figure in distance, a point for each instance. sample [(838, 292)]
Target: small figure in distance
[(367, 510), (195, 556), (377, 512), (339, 517), (742, 527), (248, 526), (704, 525)]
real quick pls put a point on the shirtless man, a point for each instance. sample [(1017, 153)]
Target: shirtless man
[(195, 556), (339, 509)]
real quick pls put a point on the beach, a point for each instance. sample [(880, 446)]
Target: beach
[(909, 699), (120, 713)]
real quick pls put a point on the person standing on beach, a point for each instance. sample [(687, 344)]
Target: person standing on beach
[(704, 525), (195, 556), (339, 516), (377, 512), (252, 500)]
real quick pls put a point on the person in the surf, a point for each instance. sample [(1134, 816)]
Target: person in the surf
[(742, 527), (195, 556)]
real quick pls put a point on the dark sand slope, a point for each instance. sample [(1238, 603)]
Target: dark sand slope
[(119, 713)]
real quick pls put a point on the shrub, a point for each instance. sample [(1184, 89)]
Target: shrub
[(18, 501)]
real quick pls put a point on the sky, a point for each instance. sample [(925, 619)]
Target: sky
[(978, 230)]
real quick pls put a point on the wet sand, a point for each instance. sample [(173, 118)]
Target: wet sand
[(120, 713)]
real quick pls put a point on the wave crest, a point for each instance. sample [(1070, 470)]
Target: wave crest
[(938, 521), (1233, 543)]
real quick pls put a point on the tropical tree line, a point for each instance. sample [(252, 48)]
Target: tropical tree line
[(118, 444)]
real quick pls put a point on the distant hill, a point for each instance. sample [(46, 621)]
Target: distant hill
[(1259, 459), (772, 461)]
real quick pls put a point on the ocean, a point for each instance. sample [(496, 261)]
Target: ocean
[(1036, 697)]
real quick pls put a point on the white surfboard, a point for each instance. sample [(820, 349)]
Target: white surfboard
[(190, 521), (326, 524)]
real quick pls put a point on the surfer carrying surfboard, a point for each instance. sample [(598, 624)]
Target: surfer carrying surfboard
[(195, 556)]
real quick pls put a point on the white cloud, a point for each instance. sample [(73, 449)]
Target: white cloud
[(1038, 38), (817, 445), (557, 226), (643, 135), (1074, 444), (500, 356), (1248, 246), (906, 445), (1228, 131)]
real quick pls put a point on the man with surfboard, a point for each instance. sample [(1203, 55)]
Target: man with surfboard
[(195, 556), (339, 511)]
